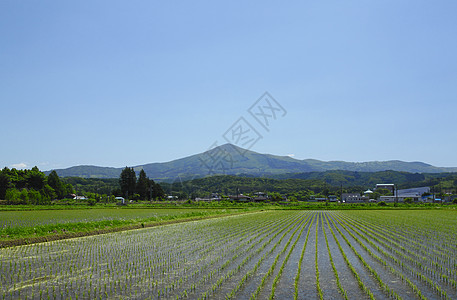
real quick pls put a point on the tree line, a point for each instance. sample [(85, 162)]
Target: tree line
[(303, 186), (31, 186), (34, 187)]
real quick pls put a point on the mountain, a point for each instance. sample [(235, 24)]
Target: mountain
[(232, 160)]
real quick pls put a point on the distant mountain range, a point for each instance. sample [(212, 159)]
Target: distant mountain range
[(232, 160)]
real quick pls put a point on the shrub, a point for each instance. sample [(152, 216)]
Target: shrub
[(408, 200), (382, 203)]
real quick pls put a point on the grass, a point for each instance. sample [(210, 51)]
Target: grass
[(58, 224)]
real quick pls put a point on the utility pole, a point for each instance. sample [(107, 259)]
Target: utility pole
[(341, 196), (396, 193)]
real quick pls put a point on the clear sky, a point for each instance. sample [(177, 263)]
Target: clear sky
[(116, 83)]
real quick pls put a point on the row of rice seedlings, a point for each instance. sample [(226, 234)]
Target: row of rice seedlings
[(335, 271), (362, 286), (412, 260), (236, 269), (439, 245), (422, 261), (225, 248), (127, 267), (381, 283), (401, 264), (301, 225), (300, 262), (318, 285), (396, 272), (427, 265), (214, 269), (166, 287), (439, 255), (250, 272), (281, 269), (436, 226), (263, 233)]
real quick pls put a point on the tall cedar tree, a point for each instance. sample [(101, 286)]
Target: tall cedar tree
[(4, 184), (157, 191), (143, 186), (57, 185), (127, 181)]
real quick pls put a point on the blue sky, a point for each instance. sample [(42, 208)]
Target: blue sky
[(115, 83)]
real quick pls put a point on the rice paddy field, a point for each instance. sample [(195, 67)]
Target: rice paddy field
[(401, 254), (24, 218), (33, 225)]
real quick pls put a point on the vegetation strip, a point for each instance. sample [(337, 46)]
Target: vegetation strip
[(318, 285), (90, 229)]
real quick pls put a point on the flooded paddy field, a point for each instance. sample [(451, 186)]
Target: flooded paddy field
[(265, 255)]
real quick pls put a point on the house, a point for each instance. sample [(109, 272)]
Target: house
[(368, 193), (213, 197), (260, 196), (354, 198), (313, 198), (241, 198), (333, 198), (321, 199)]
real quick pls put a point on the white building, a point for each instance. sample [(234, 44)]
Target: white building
[(414, 193), (354, 198)]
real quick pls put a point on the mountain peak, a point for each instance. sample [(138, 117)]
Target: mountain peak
[(229, 148)]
